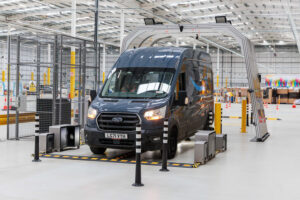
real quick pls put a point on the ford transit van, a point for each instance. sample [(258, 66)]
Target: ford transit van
[(147, 85)]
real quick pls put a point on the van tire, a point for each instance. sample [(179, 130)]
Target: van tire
[(172, 143), (98, 150)]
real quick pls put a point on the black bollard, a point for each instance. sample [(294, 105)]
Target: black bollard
[(165, 147), (138, 151), (37, 140)]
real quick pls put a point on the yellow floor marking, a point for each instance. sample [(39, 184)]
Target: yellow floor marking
[(113, 160), (124, 160), (187, 165), (234, 117), (66, 156), (133, 161), (75, 157), (271, 118), (94, 158), (176, 164), (154, 163), (144, 162), (47, 155), (103, 159), (56, 156), (84, 158)]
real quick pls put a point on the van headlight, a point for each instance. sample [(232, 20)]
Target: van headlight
[(92, 113), (155, 114)]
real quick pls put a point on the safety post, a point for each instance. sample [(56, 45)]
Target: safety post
[(3, 76), (103, 77), (247, 115), (37, 139), (165, 147), (138, 151), (244, 115), (72, 74), (218, 118)]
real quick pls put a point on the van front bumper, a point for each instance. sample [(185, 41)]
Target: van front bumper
[(151, 139)]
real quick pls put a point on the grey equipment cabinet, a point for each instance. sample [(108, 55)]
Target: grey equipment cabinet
[(201, 152), (208, 136), (65, 136), (221, 142), (46, 142)]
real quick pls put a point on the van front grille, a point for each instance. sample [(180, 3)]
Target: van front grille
[(117, 121)]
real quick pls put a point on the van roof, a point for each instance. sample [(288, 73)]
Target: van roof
[(163, 57)]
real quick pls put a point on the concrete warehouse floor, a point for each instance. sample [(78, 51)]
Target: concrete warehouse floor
[(246, 170)]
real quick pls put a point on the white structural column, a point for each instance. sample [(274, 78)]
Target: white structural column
[(177, 42), (194, 46), (207, 48), (122, 24), (73, 22), (218, 67)]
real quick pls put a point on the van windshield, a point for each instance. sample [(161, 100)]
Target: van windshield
[(139, 83)]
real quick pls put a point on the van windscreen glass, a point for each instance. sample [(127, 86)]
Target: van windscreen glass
[(138, 82)]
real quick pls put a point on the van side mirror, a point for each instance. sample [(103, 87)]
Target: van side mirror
[(182, 98)]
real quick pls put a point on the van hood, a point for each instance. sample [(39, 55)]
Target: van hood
[(127, 105)]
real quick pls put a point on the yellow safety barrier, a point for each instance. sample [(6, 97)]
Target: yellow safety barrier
[(218, 118), (44, 78), (48, 75), (103, 77), (72, 75), (244, 116), (3, 75)]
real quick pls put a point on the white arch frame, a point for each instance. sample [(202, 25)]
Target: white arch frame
[(138, 37)]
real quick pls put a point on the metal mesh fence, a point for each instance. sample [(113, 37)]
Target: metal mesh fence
[(51, 75)]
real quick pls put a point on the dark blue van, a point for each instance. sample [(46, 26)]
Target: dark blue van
[(148, 85)]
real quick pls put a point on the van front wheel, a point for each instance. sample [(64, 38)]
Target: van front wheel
[(172, 146), (98, 150)]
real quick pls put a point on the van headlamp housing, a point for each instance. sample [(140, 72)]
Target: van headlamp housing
[(155, 114), (92, 113)]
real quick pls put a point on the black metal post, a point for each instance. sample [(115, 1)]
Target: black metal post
[(247, 111), (165, 147), (55, 79), (222, 68), (17, 87), (37, 139), (96, 44), (231, 70), (138, 151), (79, 89), (8, 86), (83, 75)]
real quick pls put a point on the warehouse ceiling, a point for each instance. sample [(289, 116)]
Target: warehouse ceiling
[(267, 22)]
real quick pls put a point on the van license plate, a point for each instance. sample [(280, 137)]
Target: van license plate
[(116, 136)]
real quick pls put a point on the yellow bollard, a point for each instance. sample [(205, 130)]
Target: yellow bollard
[(3, 75), (103, 77), (244, 116), (72, 75), (48, 75), (44, 78), (218, 118)]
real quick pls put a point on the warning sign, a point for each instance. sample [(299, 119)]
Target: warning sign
[(32, 87)]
